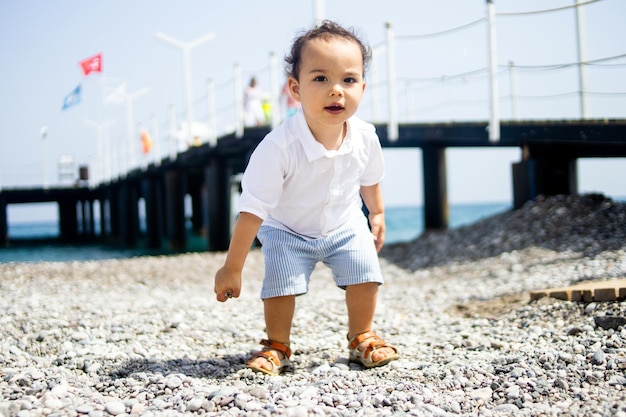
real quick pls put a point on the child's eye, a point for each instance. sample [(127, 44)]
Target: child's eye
[(320, 78), (350, 80)]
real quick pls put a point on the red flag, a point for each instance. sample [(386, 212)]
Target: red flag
[(92, 64)]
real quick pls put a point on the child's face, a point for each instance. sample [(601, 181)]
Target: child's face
[(331, 84)]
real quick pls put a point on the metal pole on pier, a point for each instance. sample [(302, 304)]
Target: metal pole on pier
[(130, 132), (154, 128), (392, 127), (212, 112), (513, 86), (494, 122), (318, 11), (101, 159), (239, 111), (274, 87), (373, 87), (43, 133), (581, 58), (173, 146)]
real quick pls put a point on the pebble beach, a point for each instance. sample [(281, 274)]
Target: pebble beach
[(145, 336)]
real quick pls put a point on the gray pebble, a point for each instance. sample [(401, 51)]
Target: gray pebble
[(195, 404), (115, 407), (598, 357)]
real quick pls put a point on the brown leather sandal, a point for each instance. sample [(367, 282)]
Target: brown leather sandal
[(269, 353), (369, 342)]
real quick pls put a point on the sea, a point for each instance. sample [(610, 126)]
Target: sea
[(34, 241)]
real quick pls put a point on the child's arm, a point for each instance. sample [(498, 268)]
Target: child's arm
[(228, 277), (373, 199)]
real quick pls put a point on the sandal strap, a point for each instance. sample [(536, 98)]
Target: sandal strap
[(359, 338), (373, 342), (267, 355), (281, 347)]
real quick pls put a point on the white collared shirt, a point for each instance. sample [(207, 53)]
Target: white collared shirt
[(292, 182)]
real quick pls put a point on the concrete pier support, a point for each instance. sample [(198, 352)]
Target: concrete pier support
[(543, 176), (88, 223), (128, 211), (175, 209), (217, 181), (68, 219), (197, 205), (4, 226), (115, 229), (436, 212), (104, 215), (152, 188)]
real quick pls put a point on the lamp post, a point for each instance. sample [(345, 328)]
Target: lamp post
[(185, 48), (103, 160), (132, 143), (119, 96)]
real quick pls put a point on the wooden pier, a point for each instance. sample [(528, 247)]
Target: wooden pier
[(208, 175)]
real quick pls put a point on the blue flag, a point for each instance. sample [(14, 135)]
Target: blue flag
[(72, 98)]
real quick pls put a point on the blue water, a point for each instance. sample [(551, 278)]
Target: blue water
[(403, 224), (407, 223)]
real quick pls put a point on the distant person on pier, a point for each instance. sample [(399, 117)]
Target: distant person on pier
[(268, 111), (253, 105), (302, 196), (291, 105)]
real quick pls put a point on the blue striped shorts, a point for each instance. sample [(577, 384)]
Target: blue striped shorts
[(290, 259)]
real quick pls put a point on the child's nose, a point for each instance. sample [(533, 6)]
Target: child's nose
[(336, 89)]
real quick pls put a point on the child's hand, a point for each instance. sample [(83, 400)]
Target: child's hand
[(227, 284), (377, 225)]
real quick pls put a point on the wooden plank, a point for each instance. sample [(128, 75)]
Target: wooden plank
[(614, 290)]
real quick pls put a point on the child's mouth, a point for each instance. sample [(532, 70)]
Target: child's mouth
[(334, 109)]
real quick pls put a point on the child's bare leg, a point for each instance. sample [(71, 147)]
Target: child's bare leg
[(361, 304), (278, 317)]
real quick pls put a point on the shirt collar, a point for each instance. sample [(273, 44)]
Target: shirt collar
[(315, 150)]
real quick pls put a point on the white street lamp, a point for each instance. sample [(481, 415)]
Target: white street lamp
[(103, 160), (133, 143), (185, 48)]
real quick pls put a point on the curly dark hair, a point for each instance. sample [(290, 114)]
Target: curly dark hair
[(326, 30)]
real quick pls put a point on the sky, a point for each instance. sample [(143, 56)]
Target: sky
[(440, 77)]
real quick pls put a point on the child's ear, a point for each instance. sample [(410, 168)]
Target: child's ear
[(294, 88)]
